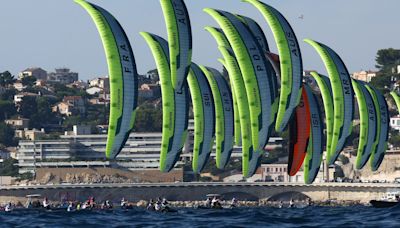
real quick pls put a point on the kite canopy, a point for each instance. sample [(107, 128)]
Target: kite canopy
[(367, 123), (224, 115), (265, 92), (291, 62), (222, 41), (257, 31), (173, 59), (259, 35), (299, 131), (312, 162), (204, 117), (343, 98), (396, 98), (175, 105), (243, 107), (180, 40), (123, 77), (325, 87), (382, 113), (254, 69)]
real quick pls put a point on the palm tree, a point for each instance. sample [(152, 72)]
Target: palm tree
[(6, 79)]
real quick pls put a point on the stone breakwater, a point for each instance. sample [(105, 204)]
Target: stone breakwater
[(262, 203), (262, 193), (225, 203)]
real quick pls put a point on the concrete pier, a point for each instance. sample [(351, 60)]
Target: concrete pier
[(360, 192)]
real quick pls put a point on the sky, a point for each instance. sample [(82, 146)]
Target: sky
[(59, 33)]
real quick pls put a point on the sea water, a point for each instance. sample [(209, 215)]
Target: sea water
[(358, 216)]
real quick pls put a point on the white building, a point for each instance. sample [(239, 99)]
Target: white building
[(94, 90), (141, 151), (279, 173), (33, 134), (36, 72), (63, 76), (18, 123), (19, 86), (80, 130), (365, 76), (20, 96), (31, 154), (103, 83), (395, 122)]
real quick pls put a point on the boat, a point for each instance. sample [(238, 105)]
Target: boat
[(209, 205), (390, 199), (383, 204)]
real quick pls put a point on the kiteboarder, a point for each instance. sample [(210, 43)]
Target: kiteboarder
[(78, 206), (106, 205), (291, 203), (208, 202), (70, 207), (92, 202), (157, 205), (124, 203), (280, 204), (164, 205), (8, 207), (150, 206), (233, 203), (46, 203), (85, 205), (215, 203)]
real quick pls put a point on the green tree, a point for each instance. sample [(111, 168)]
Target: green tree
[(386, 60), (9, 167), (148, 119), (28, 81), (7, 109), (43, 115), (26, 176), (72, 120), (28, 106), (382, 81), (8, 94), (7, 135), (387, 57), (274, 155), (395, 140), (6, 79), (63, 91)]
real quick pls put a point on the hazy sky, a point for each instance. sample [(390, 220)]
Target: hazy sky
[(59, 33)]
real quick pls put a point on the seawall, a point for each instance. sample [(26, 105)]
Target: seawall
[(357, 192)]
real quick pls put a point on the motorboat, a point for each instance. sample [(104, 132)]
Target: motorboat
[(390, 199)]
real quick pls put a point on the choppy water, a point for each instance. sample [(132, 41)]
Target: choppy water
[(242, 217)]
